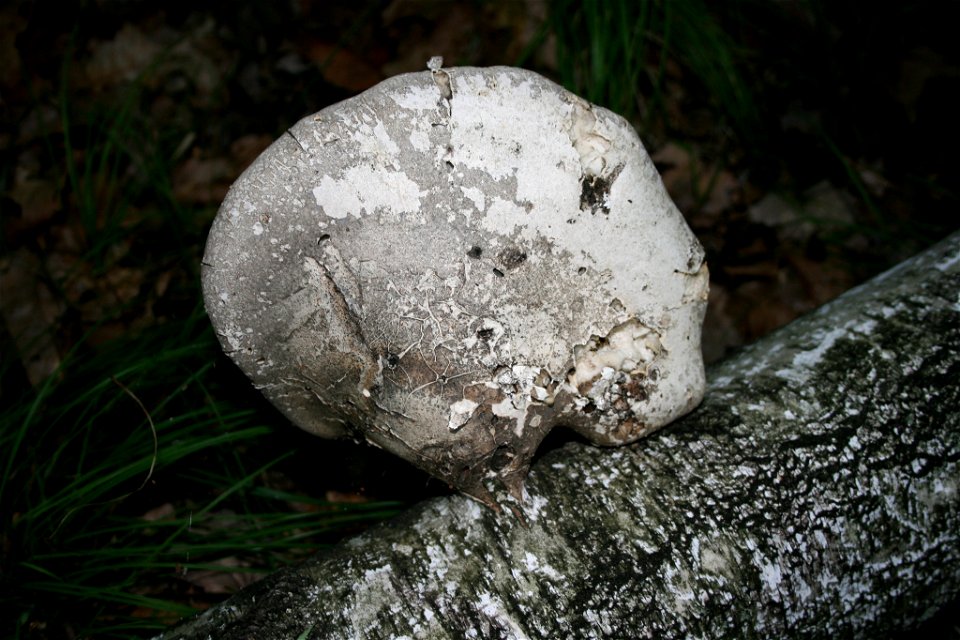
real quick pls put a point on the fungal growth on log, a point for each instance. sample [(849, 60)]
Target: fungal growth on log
[(453, 263)]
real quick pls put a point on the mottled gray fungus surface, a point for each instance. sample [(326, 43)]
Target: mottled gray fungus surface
[(454, 262)]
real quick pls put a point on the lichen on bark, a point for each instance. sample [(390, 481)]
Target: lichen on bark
[(813, 494)]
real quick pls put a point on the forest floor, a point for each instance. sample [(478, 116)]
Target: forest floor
[(809, 146)]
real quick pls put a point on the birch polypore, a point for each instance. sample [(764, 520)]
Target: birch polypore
[(454, 262)]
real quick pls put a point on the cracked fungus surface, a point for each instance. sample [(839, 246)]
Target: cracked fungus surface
[(454, 262)]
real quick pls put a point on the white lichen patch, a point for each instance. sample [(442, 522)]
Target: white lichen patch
[(535, 565), (494, 609), (364, 190), (476, 196), (419, 140)]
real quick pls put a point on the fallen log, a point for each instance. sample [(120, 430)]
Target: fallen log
[(814, 493)]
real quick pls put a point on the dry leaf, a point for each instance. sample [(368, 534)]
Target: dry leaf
[(163, 512), (121, 59), (223, 581), (341, 67), (30, 312), (39, 198), (200, 180)]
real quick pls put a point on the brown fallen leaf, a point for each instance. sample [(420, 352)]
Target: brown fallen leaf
[(38, 198), (699, 189), (342, 67), (199, 180), (205, 180), (161, 512), (121, 58), (245, 149), (30, 312), (721, 331), (339, 497), (231, 578), (822, 280)]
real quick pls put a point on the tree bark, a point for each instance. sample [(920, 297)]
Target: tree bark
[(814, 493)]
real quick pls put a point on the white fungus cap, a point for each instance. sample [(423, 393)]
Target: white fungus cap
[(454, 262)]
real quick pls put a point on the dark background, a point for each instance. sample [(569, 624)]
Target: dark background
[(835, 162)]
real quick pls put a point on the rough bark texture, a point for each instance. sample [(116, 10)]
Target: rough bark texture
[(813, 494)]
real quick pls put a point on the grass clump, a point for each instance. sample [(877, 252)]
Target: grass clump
[(617, 54), (124, 476)]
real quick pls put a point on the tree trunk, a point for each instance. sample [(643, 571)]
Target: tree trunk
[(814, 493)]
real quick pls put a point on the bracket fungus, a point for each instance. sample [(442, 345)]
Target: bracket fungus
[(453, 263)]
